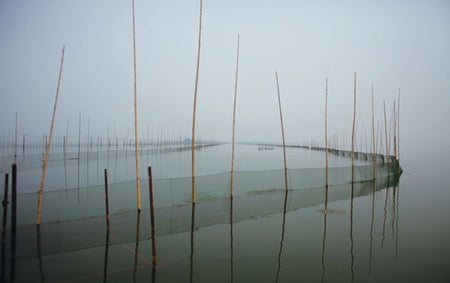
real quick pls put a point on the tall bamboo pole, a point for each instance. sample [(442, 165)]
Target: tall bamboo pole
[(195, 103), (373, 139), (398, 127), (79, 135), (47, 151), (234, 122), (386, 133), (136, 140), (353, 128), (326, 137), (282, 132), (394, 130)]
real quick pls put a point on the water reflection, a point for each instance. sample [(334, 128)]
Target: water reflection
[(283, 226), (372, 219), (352, 257), (324, 239), (105, 265), (39, 253), (231, 242), (136, 250), (191, 257)]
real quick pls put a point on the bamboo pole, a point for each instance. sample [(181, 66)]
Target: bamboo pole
[(136, 145), (195, 103), (47, 152), (386, 133), (282, 132), (398, 127), (79, 135), (234, 122), (326, 138), (394, 122), (353, 128), (373, 139)]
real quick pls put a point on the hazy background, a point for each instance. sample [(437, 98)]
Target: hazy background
[(393, 44)]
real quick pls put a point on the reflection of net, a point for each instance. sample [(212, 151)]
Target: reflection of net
[(90, 202)]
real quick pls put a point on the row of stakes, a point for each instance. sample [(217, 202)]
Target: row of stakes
[(5, 203)]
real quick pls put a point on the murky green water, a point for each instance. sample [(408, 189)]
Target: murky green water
[(385, 231)]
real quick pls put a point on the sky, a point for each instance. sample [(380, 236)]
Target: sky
[(391, 44)]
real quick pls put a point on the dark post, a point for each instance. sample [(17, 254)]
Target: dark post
[(152, 215), (5, 213), (106, 199), (13, 219)]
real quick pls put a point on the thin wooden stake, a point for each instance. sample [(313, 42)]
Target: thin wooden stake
[(195, 103), (398, 127), (282, 132), (106, 199), (386, 133), (234, 121), (326, 135), (136, 139), (47, 151), (79, 135), (353, 128), (394, 114), (152, 215), (373, 140), (13, 220), (15, 141)]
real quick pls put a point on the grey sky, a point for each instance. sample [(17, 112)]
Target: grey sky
[(390, 43)]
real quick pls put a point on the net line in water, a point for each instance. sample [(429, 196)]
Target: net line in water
[(253, 204), (73, 204)]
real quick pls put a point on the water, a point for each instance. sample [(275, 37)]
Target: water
[(389, 231), (87, 171)]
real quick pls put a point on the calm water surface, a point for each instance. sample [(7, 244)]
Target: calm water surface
[(397, 232)]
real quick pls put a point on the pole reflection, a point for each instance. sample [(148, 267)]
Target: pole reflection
[(283, 226), (191, 274), (136, 250)]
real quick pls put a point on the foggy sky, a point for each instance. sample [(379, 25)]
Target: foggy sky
[(394, 44)]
